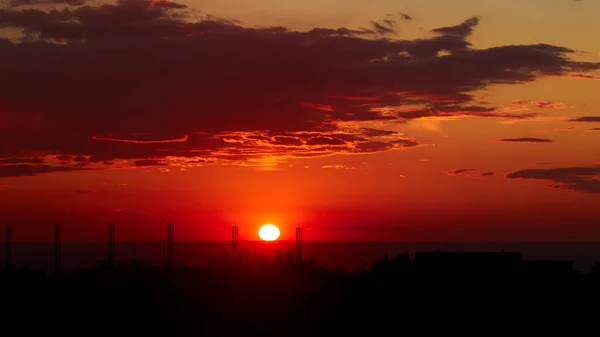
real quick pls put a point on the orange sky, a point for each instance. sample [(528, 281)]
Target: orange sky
[(474, 121)]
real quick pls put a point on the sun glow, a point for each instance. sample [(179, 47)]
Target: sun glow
[(269, 232)]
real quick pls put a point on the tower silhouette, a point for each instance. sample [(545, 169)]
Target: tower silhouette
[(170, 241), (8, 248), (299, 245), (234, 240), (111, 244), (57, 249)]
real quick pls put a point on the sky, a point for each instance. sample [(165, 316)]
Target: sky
[(425, 120)]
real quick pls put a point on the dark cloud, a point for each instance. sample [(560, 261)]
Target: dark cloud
[(595, 129), (64, 158), (459, 172), (377, 133), (404, 16), (384, 27), (146, 83), (471, 173), (20, 3), (22, 161), (525, 140), (32, 170), (591, 119), (463, 30), (582, 179), (149, 162), (542, 104)]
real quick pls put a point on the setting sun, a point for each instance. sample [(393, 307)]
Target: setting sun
[(268, 232)]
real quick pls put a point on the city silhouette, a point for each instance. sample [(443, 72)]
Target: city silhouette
[(241, 292)]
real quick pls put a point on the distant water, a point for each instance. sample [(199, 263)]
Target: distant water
[(332, 254)]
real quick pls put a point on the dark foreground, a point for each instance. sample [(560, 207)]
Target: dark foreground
[(447, 293)]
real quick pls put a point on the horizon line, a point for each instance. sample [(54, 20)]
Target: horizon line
[(293, 241)]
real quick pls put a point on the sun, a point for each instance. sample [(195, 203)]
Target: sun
[(269, 232)]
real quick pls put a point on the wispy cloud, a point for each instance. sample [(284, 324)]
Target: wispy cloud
[(471, 173), (543, 104), (338, 167), (525, 140), (582, 179), (590, 119)]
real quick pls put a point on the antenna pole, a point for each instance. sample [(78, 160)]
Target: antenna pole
[(8, 248), (111, 244), (170, 240), (234, 240), (57, 249), (299, 245)]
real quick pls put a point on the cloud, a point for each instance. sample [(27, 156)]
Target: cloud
[(591, 119), (582, 179), (22, 161), (138, 141), (471, 173), (384, 27), (463, 30), (595, 129), (32, 170), (543, 104), (20, 3), (404, 16), (338, 167), (150, 83), (85, 191), (459, 172), (525, 140), (149, 162)]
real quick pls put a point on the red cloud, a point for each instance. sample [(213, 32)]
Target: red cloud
[(135, 141), (113, 82)]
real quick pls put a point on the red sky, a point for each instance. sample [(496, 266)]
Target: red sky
[(364, 121)]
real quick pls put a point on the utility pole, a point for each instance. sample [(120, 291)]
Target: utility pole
[(8, 248), (234, 241), (57, 249), (299, 245), (111, 244), (170, 241)]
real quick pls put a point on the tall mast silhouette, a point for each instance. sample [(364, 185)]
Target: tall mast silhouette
[(111, 244), (299, 245), (57, 249), (170, 241), (234, 240), (8, 248)]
